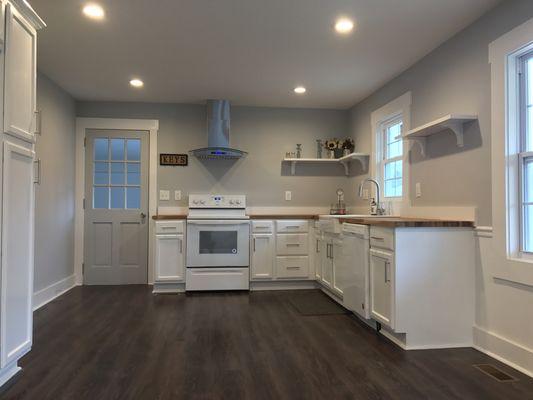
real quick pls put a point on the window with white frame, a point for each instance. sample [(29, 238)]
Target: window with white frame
[(390, 157), (525, 157)]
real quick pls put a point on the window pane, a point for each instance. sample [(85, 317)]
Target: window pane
[(397, 187), (133, 197), (134, 174), (528, 228), (389, 170), (528, 180), (101, 149), (117, 149), (398, 169), (117, 197), (100, 197), (117, 174), (134, 149), (394, 149), (101, 173), (389, 188), (393, 132)]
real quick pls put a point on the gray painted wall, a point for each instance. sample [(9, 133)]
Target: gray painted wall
[(54, 198), (266, 133), (454, 78)]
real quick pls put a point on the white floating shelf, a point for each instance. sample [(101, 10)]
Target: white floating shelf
[(454, 122), (344, 161)]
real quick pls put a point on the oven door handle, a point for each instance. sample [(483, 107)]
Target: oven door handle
[(218, 222)]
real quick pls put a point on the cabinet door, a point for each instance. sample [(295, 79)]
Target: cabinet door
[(339, 266), (17, 253), (327, 264), (262, 256), (169, 258), (20, 76), (318, 258), (382, 286)]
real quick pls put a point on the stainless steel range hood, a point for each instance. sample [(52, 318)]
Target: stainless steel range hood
[(218, 131)]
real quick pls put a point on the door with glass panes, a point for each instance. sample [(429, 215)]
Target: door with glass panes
[(116, 207)]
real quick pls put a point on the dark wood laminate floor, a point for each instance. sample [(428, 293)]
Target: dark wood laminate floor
[(125, 343)]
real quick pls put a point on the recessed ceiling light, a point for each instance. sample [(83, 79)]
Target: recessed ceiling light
[(136, 83), (300, 90), (344, 25), (94, 11)]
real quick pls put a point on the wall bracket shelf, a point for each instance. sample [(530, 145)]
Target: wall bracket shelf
[(453, 122), (344, 161)]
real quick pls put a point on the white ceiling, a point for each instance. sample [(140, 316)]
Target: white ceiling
[(252, 52)]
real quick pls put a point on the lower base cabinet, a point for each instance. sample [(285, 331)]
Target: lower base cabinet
[(262, 256), (170, 252), (381, 288)]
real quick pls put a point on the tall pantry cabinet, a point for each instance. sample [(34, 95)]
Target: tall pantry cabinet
[(18, 175)]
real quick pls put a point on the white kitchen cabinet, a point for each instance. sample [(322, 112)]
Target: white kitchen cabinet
[(382, 286), (17, 252), (326, 263), (262, 260), (292, 244), (18, 25), (169, 258), (292, 267), (338, 262), (20, 75)]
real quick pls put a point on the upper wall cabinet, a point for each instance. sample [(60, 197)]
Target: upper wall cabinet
[(20, 76)]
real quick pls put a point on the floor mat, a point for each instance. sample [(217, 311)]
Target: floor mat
[(315, 303)]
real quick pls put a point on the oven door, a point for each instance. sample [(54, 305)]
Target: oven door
[(220, 243)]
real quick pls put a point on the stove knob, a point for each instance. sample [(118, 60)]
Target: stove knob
[(231, 202), (195, 201), (238, 202), (202, 202)]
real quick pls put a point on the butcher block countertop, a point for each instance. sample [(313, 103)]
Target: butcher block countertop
[(406, 222), (391, 222), (164, 217)]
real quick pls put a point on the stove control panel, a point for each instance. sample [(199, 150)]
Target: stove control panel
[(217, 201)]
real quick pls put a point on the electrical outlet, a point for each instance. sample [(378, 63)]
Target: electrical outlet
[(288, 195), (177, 195), (418, 189), (164, 195)]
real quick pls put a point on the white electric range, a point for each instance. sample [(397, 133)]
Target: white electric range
[(218, 243)]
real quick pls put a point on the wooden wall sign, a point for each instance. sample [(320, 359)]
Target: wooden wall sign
[(181, 160)]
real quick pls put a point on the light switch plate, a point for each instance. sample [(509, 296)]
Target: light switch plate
[(418, 189), (288, 195), (177, 195), (164, 195)]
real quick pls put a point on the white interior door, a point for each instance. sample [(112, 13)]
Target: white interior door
[(116, 207), (17, 252)]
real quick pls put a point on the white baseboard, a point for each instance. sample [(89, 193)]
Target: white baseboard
[(506, 351), (8, 372), (168, 288), (53, 291)]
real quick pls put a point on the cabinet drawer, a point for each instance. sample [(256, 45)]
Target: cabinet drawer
[(292, 226), (292, 244), (382, 237), (292, 267), (262, 226), (168, 227)]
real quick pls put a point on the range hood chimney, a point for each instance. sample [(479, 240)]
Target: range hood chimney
[(218, 133)]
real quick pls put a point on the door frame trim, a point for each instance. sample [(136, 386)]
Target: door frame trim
[(82, 124)]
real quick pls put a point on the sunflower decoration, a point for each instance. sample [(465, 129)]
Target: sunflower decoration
[(332, 144)]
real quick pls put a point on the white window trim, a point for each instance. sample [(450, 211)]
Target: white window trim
[(399, 106), (504, 54), (82, 124)]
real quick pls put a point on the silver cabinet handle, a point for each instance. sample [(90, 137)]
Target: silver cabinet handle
[(317, 247), (254, 245), (292, 267), (292, 244), (37, 179), (377, 238), (181, 246), (38, 122), (332, 255), (387, 271)]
